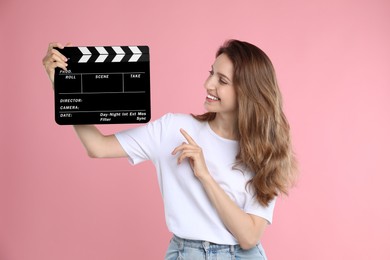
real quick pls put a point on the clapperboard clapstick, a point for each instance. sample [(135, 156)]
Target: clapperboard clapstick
[(103, 85)]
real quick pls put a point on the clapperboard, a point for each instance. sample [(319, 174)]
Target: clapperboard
[(103, 85)]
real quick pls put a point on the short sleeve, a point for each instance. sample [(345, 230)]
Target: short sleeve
[(142, 143), (252, 206)]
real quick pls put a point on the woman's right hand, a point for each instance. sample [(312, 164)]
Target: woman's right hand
[(54, 59)]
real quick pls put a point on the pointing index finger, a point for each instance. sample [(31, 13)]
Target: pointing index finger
[(187, 137)]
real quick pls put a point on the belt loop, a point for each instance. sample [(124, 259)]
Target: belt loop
[(232, 249), (180, 242), (206, 245)]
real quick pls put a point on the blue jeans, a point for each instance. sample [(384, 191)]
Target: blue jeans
[(184, 249)]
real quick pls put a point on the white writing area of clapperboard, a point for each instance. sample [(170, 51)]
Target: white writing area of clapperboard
[(103, 85)]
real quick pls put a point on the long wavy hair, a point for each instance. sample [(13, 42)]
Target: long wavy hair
[(263, 130)]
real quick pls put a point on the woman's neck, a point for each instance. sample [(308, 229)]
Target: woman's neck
[(225, 126)]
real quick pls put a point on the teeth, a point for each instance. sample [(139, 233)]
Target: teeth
[(212, 97)]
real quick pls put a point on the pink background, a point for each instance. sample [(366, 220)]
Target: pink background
[(333, 63)]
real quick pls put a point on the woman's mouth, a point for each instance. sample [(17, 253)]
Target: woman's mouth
[(212, 98)]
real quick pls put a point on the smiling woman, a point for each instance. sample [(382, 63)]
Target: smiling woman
[(220, 172), (245, 74)]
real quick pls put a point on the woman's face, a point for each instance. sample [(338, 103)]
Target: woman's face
[(221, 95)]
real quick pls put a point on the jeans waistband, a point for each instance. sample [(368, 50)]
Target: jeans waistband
[(200, 244)]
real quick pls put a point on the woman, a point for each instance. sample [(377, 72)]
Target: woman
[(220, 172)]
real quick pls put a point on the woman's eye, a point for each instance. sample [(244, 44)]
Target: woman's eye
[(222, 82)]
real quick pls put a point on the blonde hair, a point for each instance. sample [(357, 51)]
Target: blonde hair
[(263, 129)]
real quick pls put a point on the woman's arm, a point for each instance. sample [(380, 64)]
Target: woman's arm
[(96, 144), (246, 228)]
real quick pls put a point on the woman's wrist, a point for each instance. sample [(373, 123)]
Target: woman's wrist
[(206, 178)]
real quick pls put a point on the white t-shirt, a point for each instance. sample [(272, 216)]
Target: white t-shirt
[(188, 211)]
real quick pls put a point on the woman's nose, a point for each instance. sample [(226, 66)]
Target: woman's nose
[(209, 84)]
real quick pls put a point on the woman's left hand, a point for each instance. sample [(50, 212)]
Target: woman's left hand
[(194, 153)]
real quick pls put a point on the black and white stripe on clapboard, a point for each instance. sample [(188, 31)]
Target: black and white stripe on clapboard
[(106, 54)]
